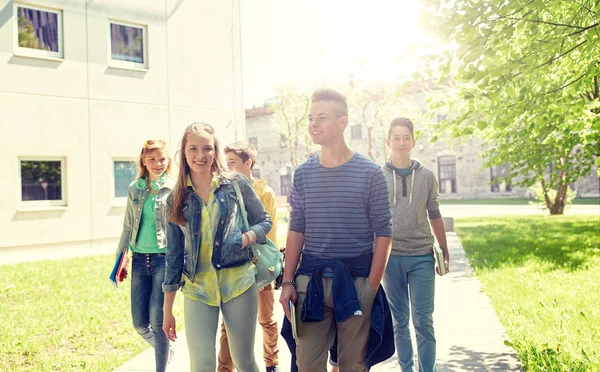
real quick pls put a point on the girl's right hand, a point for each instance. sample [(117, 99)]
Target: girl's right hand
[(169, 326)]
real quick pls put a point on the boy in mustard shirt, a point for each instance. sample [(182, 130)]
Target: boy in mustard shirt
[(241, 157)]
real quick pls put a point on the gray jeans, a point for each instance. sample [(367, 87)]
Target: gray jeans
[(201, 322)]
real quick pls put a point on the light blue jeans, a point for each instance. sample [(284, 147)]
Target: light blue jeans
[(201, 322), (409, 282)]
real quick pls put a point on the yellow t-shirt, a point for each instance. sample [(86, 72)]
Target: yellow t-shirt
[(210, 286), (266, 194)]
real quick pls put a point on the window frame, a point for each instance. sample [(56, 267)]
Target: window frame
[(285, 181), (253, 139), (38, 53), (441, 181), (128, 65), (43, 203), (119, 201), (497, 187), (356, 132)]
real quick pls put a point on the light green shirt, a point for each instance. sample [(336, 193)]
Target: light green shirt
[(146, 240)]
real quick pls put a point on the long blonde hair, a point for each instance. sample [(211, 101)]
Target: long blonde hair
[(217, 167), (149, 146)]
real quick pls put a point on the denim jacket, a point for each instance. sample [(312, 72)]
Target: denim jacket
[(380, 345), (184, 240), (133, 214)]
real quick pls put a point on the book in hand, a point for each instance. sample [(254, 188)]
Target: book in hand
[(118, 272), (293, 320), (438, 253)]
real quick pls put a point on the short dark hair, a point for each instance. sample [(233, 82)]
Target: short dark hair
[(402, 122), (334, 96), (244, 150)]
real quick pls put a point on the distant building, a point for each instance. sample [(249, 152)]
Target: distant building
[(83, 84)]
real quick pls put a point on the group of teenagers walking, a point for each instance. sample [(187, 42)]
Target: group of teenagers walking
[(358, 255)]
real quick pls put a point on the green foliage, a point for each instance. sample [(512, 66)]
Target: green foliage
[(540, 273), (524, 78), (39, 171), (27, 36), (64, 315)]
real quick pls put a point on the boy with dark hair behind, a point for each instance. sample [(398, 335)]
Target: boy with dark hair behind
[(341, 225), (409, 278)]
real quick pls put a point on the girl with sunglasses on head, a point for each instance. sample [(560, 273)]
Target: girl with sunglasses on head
[(144, 233), (208, 253)]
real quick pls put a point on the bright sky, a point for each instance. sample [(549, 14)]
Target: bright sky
[(321, 42)]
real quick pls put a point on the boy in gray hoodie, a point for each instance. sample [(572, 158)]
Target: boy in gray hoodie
[(409, 278)]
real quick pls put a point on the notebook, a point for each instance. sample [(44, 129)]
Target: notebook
[(121, 263), (439, 260), (293, 320)]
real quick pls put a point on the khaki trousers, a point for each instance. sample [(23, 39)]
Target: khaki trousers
[(316, 338)]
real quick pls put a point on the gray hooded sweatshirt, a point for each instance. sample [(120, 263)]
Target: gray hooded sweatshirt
[(413, 198)]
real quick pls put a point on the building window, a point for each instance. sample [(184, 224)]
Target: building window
[(498, 180), (254, 142), (42, 182), (285, 180), (356, 131), (256, 173), (124, 172), (128, 45), (38, 32), (447, 174)]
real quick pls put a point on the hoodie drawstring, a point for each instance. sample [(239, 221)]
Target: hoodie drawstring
[(394, 174), (412, 183)]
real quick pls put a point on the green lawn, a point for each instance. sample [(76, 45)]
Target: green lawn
[(66, 316), (579, 201), (541, 273)]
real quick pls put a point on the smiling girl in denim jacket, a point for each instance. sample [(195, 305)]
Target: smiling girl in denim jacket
[(144, 233), (208, 254)]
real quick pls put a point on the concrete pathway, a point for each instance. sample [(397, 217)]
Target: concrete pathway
[(470, 337)]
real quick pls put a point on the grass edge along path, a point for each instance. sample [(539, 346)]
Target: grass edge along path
[(541, 275), (65, 315)]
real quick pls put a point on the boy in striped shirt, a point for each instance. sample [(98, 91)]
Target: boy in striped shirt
[(340, 224)]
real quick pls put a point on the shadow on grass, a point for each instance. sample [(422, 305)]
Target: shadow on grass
[(557, 242)]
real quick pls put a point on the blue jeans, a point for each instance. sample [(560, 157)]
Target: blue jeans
[(147, 276), (412, 278)]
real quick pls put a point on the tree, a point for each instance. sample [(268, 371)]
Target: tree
[(371, 106), (290, 113), (525, 76)]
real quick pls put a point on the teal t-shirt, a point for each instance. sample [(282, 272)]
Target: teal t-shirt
[(405, 171), (146, 240)]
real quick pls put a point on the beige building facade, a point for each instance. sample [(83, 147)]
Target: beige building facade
[(84, 83)]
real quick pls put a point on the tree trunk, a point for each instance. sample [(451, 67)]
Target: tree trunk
[(560, 201), (370, 143), (558, 206)]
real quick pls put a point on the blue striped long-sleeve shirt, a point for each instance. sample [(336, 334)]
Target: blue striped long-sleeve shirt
[(340, 210)]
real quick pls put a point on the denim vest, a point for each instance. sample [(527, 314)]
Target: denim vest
[(380, 345), (184, 240), (133, 214)]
